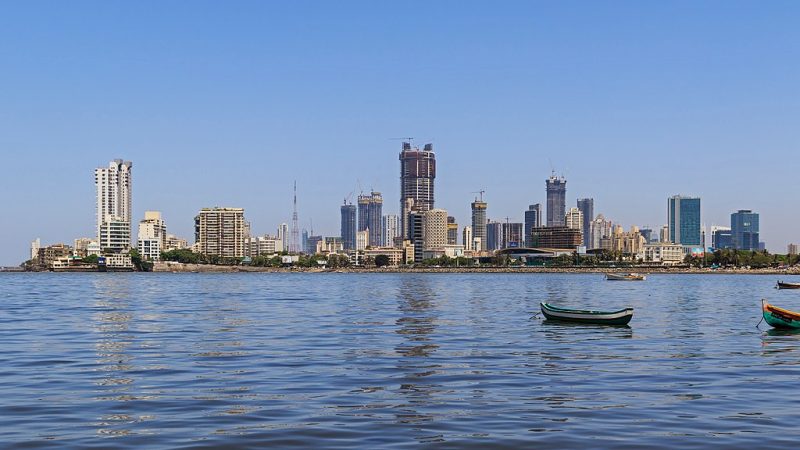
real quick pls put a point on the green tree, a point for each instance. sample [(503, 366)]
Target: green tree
[(381, 261)]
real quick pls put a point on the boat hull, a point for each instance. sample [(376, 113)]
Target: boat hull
[(781, 318), (621, 317), (617, 277), (782, 285)]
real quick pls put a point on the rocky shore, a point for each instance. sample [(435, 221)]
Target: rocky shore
[(206, 268)]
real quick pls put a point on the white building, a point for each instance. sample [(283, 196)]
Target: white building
[(81, 247), (467, 238), (172, 242), (390, 229), (283, 235), (264, 245), (152, 236), (35, 246), (362, 240), (115, 235), (574, 219), (664, 253), (599, 228), (113, 207)]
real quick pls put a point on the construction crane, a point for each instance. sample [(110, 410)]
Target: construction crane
[(349, 196), (481, 192)]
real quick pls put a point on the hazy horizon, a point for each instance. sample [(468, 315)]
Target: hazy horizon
[(228, 104)]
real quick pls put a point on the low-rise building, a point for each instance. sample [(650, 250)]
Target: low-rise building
[(263, 245), (47, 256), (664, 252), (395, 255), (116, 262)]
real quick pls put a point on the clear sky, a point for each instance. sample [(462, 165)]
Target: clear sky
[(225, 103)]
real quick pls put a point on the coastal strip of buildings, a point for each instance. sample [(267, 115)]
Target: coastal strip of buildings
[(422, 230)]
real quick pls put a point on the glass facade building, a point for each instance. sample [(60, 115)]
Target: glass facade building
[(683, 220), (744, 230)]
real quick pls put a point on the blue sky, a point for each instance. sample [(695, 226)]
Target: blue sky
[(226, 103)]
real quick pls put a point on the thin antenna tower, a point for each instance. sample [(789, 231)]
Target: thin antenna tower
[(294, 244)]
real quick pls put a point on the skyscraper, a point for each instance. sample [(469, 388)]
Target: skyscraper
[(348, 226), (375, 218), (744, 230), (512, 234), (586, 205), (556, 200), (113, 212), (416, 233), (574, 219), (533, 219), (683, 220), (417, 173), (370, 214), (479, 222)]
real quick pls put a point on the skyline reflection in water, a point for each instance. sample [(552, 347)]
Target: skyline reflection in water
[(373, 360)]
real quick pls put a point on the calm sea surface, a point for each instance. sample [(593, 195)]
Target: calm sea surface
[(395, 360)]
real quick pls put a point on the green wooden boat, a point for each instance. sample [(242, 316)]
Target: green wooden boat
[(779, 317), (621, 317)]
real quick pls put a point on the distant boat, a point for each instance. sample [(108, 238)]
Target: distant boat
[(621, 317), (783, 285), (625, 277), (779, 317)]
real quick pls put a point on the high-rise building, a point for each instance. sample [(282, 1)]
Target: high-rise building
[(452, 231), (586, 206), (556, 200), (744, 230), (390, 229), (494, 236), (35, 246), (466, 237), (663, 235), (348, 228), (791, 249), (283, 235), (574, 219), (512, 234), (417, 174), (222, 232), (479, 222), (152, 238), (113, 210), (721, 237), (600, 228), (312, 243), (370, 214), (533, 219), (304, 240), (416, 233), (683, 220), (435, 232), (374, 224)]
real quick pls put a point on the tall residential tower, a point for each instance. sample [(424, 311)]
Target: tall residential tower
[(556, 201), (113, 212), (417, 173)]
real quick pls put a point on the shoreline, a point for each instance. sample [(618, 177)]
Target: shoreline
[(170, 267)]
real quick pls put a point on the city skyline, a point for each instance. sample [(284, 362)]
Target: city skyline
[(194, 108)]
